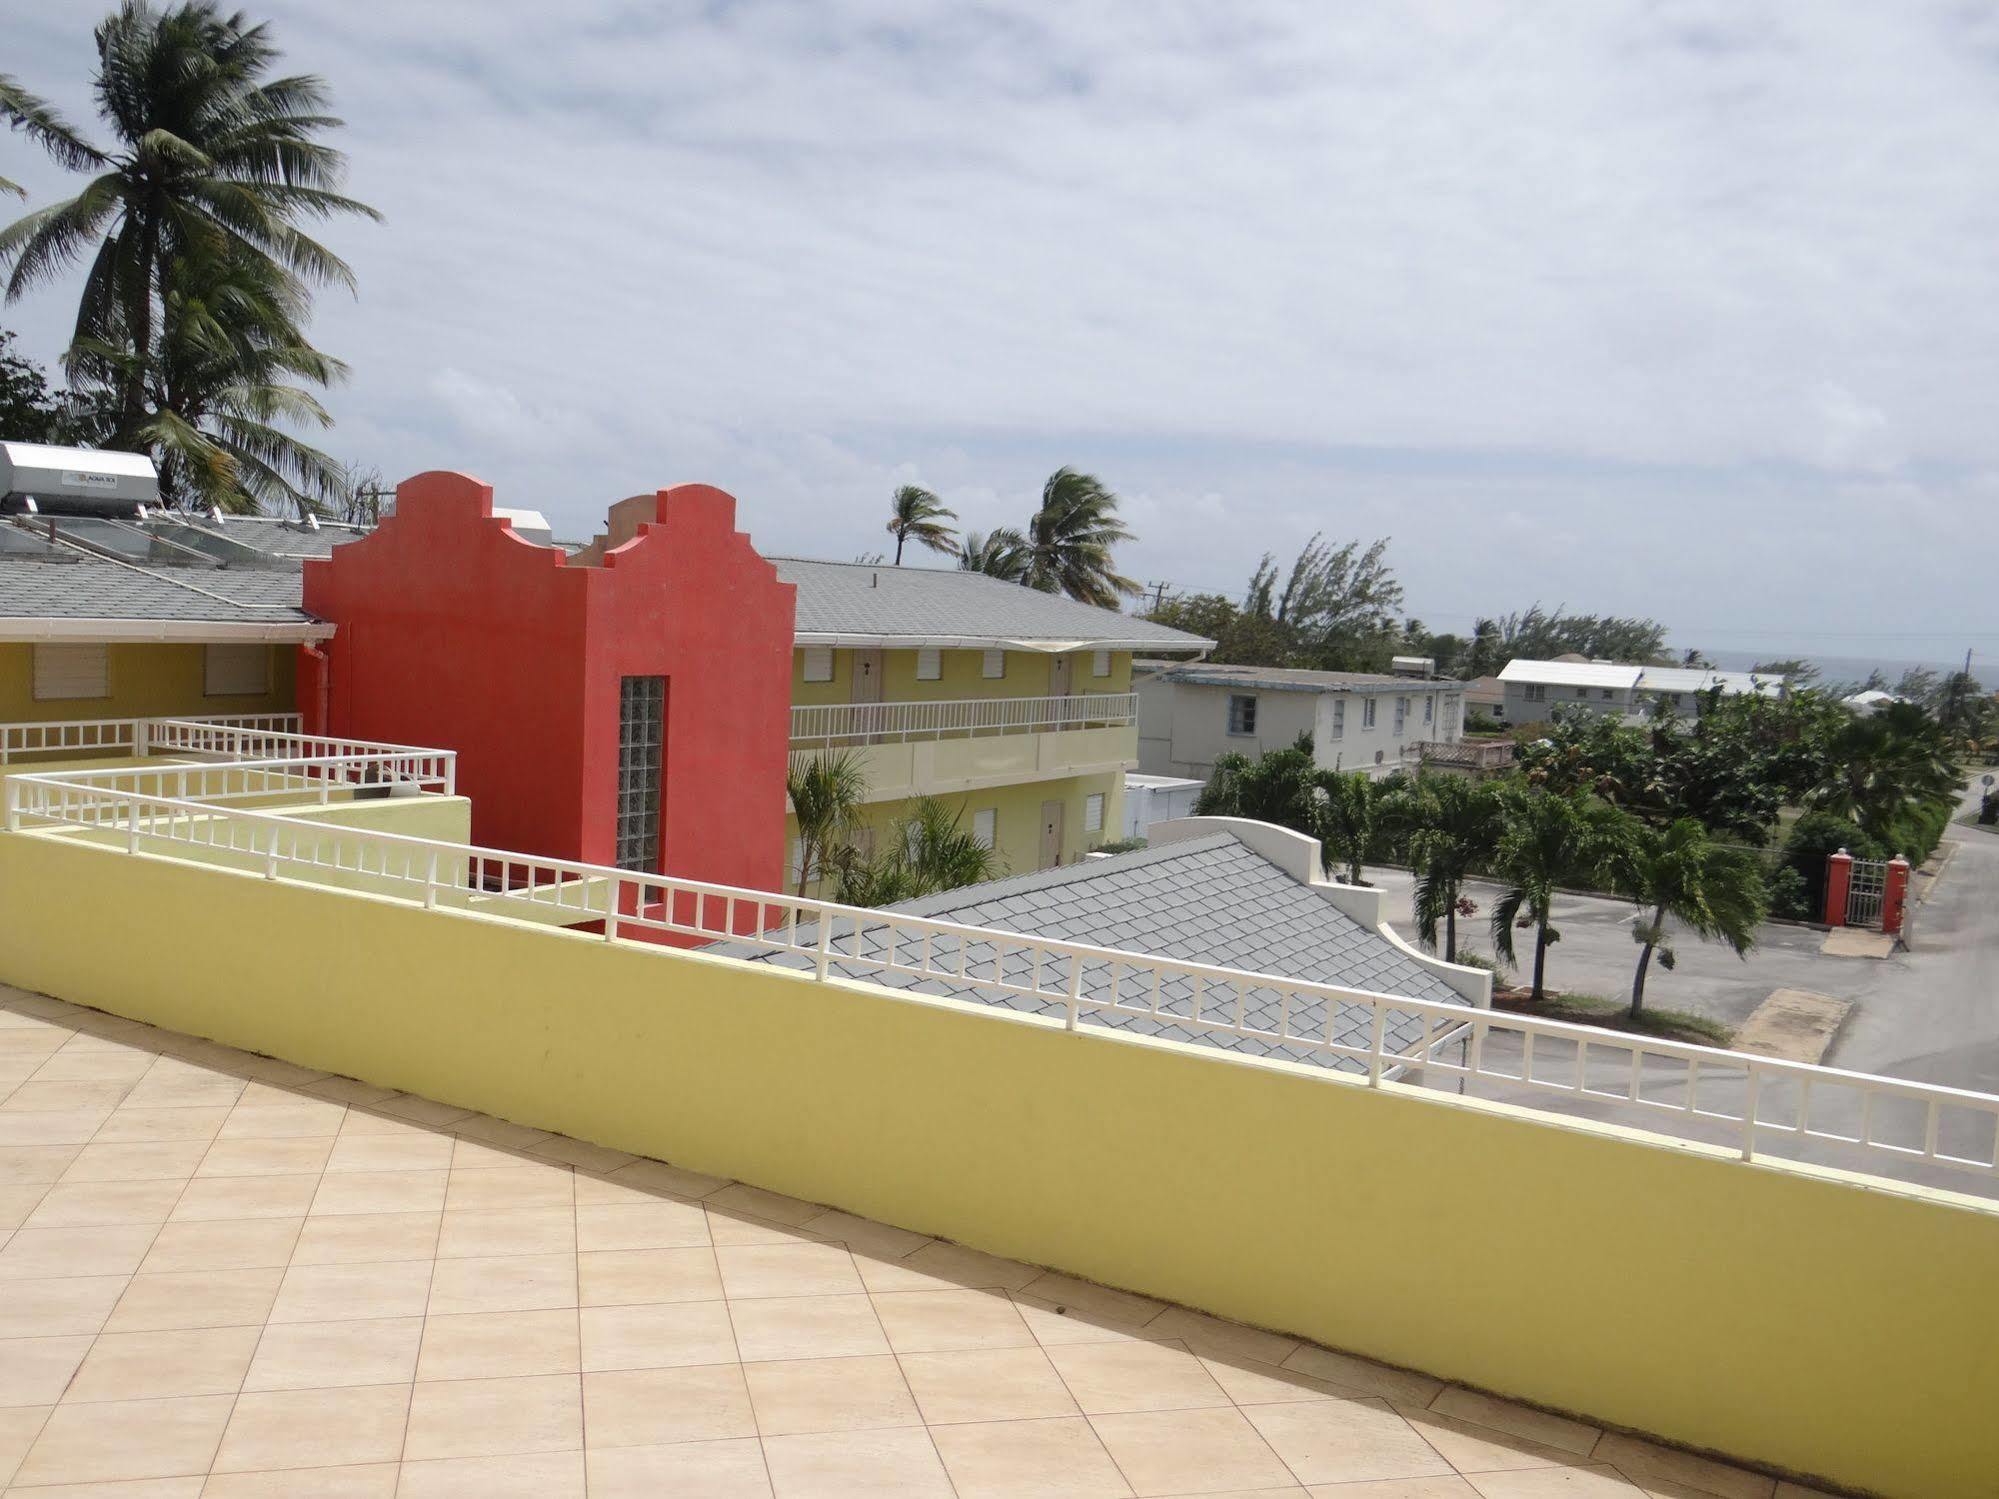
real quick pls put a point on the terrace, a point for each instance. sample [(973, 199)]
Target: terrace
[(442, 1232)]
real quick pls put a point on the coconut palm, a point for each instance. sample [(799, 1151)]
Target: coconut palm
[(929, 851), (1070, 538), (1550, 839), (915, 514), (212, 158), (1714, 891), (1000, 553), (827, 793), (35, 119), (1451, 826), (1346, 817)]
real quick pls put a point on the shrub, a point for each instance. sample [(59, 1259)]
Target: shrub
[(1790, 895), (1815, 837), (1478, 721)]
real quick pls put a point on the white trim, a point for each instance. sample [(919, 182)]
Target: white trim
[(179, 631)]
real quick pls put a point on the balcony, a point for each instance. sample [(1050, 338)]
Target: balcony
[(925, 748), (1483, 756)]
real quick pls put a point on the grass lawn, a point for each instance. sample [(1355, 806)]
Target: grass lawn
[(1615, 1015)]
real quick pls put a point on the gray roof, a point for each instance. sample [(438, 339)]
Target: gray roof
[(1279, 679), (875, 600), (1207, 900)]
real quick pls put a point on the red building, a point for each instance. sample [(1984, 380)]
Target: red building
[(626, 706)]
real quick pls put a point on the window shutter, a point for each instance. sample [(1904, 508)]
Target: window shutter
[(236, 670), (819, 663), (984, 826), (1093, 812), (929, 664), (1100, 664), (995, 664), (71, 671)]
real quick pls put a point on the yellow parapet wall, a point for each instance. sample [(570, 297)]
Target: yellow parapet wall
[(1772, 1314)]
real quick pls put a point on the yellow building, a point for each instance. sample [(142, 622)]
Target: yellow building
[(1014, 707)]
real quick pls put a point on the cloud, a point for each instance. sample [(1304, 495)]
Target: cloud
[(1655, 277)]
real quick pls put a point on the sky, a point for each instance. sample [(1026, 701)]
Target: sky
[(1680, 308)]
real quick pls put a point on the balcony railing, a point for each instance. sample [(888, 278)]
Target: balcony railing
[(128, 736), (950, 718), (1467, 754), (1761, 1105)]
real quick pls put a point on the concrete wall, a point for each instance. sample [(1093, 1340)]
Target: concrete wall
[(1183, 726), (1520, 710), (1771, 1313), (146, 681)]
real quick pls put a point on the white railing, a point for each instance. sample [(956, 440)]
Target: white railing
[(1763, 1106), (131, 736), (840, 723)]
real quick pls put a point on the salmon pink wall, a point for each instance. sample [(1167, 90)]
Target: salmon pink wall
[(451, 631)]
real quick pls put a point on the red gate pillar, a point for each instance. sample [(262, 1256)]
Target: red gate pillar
[(1838, 878), (1895, 896)]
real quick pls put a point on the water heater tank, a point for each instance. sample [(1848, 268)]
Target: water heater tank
[(75, 481)]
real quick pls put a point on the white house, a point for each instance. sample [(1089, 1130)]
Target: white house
[(1189, 715), (1535, 689)]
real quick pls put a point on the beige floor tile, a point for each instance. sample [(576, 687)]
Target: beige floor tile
[(1251, 1383), (503, 1283), (159, 1365), (1056, 1327), (1640, 1458), (300, 1120), (938, 1266), (511, 1187), (420, 1152), (423, 1111), (533, 1475), (213, 1198), (495, 1417), (864, 1235), (784, 1327), (358, 1238), (1212, 1337), (934, 1321), (137, 1126), (1400, 1488), (1553, 1483), (712, 1470), (189, 1487), (55, 1127), (479, 1155), (581, 1154), (1471, 1448), (644, 1407), (619, 1277), (643, 1225), (857, 1465), (986, 1384), (348, 1090), (373, 1121), (659, 1177), (725, 1227), (1051, 1459), (1363, 1374), (171, 1300), (750, 1270), (126, 1439), (791, 1396), (42, 1253), (21, 1165), (1190, 1452), (131, 1161), (502, 1134), (275, 1429), (772, 1207), (504, 1231), (19, 1426), (156, 1092), (339, 1293), (379, 1192), (16, 1203), (499, 1345), (227, 1244), (1517, 1420), (1102, 1301), (39, 1095), (60, 1307), (294, 1157), (1113, 1377), (36, 1371), (332, 1355), (90, 1204), (1345, 1441), (657, 1337), (115, 1065)]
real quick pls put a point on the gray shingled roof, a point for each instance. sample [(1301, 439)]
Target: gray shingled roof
[(928, 603), (1208, 900), (77, 587), (1280, 679)]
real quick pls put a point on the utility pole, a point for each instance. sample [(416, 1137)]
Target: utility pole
[(1158, 595)]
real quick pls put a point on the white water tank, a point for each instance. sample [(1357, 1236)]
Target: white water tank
[(75, 481)]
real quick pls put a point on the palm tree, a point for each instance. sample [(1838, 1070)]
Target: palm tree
[(1549, 840), (928, 852), (1069, 541), (915, 514), (1346, 818), (1885, 766), (41, 124), (213, 158), (1452, 827), (1000, 553), (1274, 788), (1714, 891), (827, 793)]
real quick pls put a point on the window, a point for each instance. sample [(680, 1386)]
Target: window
[(819, 663), (1367, 713), (929, 664), (1093, 812), (985, 826), (1242, 714), (71, 671), (641, 742), (1339, 717), (236, 670), (1401, 713), (1609, 693), (1535, 692), (1430, 708), (994, 666), (1100, 663)]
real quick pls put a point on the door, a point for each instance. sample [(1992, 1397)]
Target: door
[(1051, 835), (868, 689), (1061, 683)]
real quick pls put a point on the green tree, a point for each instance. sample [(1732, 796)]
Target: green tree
[(1450, 827), (1069, 541), (827, 793), (215, 163), (1886, 767), (1680, 873), (1000, 553), (1276, 787), (915, 514), (1344, 821), (28, 411), (1550, 839), (929, 850)]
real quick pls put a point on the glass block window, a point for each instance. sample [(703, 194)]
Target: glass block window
[(1242, 714), (641, 743)]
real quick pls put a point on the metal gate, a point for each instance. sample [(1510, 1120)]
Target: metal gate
[(1864, 891)]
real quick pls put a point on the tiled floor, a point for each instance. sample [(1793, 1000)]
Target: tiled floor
[(224, 1276)]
